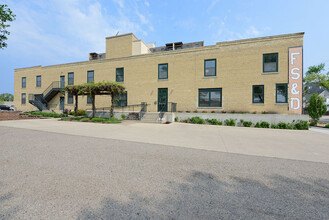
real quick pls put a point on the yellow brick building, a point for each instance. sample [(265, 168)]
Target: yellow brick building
[(243, 76)]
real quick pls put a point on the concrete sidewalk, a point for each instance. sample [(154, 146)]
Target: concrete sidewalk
[(287, 144)]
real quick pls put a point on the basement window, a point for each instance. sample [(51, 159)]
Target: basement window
[(210, 97), (258, 94)]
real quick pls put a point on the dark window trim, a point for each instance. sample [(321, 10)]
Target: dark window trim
[(89, 102), (23, 103), (23, 87), (277, 63), (204, 68), (253, 87), (126, 104), (68, 98), (116, 74), (68, 78), (36, 81), (159, 70), (93, 75), (276, 92), (210, 90)]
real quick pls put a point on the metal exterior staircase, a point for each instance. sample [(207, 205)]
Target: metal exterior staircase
[(41, 100)]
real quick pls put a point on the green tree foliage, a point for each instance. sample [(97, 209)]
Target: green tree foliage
[(316, 107), (6, 15), (6, 97), (316, 75)]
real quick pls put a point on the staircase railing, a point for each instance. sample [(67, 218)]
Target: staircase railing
[(52, 85), (38, 101)]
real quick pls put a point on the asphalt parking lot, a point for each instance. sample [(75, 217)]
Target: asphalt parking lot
[(51, 175)]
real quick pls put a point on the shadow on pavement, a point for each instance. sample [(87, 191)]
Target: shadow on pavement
[(204, 196)]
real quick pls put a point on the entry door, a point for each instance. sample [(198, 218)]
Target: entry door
[(162, 99), (62, 81), (61, 103)]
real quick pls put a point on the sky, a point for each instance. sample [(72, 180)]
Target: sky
[(63, 31)]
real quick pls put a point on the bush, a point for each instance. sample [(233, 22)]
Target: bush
[(247, 123), (264, 124), (316, 108), (230, 122), (65, 118), (176, 119), (223, 112), (213, 112), (63, 115), (75, 118), (99, 119), (303, 125), (196, 120), (123, 116), (274, 126), (233, 112), (257, 125), (214, 121), (255, 112), (264, 112), (85, 119), (327, 126), (204, 111), (80, 113), (282, 125), (195, 111)]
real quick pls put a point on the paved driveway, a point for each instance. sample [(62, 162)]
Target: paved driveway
[(48, 175)]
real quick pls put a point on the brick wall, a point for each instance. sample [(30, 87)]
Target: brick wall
[(4, 115)]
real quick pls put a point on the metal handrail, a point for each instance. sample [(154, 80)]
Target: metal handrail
[(52, 85)]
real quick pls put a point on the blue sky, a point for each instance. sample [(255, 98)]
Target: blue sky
[(62, 31)]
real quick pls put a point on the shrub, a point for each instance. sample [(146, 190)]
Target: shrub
[(254, 112), (274, 126), (264, 112), (230, 122), (257, 125), (99, 119), (247, 123), (85, 119), (243, 112), (80, 113), (196, 111), (264, 124), (179, 111), (327, 126), (123, 116), (316, 108), (214, 121), (213, 112), (188, 111), (233, 112), (112, 120), (204, 111), (196, 120), (63, 115), (223, 112), (282, 125), (303, 125), (176, 119), (65, 118), (75, 118)]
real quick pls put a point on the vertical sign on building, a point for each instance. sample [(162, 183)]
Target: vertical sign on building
[(296, 79)]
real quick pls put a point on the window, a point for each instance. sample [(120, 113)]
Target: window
[(70, 79), (88, 100), (270, 62), (210, 67), (162, 49), (281, 93), (90, 76), (62, 81), (23, 82), (163, 71), (23, 99), (210, 97), (38, 84), (258, 94), (69, 98), (121, 100), (119, 75)]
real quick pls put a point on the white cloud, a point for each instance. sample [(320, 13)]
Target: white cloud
[(67, 30), (120, 3), (147, 3)]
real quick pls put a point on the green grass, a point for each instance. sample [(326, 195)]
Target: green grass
[(45, 114)]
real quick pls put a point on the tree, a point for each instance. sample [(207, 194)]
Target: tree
[(114, 90), (75, 90), (315, 75), (316, 108), (5, 15), (7, 97)]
